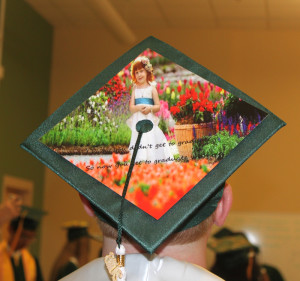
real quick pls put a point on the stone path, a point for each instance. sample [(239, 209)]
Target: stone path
[(106, 157), (86, 158), (180, 74)]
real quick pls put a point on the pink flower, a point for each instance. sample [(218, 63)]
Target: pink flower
[(164, 112), (205, 84), (218, 89), (221, 101)]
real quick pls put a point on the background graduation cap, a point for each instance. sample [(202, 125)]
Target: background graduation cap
[(76, 229), (29, 219), (227, 241), (236, 258), (194, 206)]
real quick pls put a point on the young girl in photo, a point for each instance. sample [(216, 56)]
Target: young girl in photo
[(144, 103)]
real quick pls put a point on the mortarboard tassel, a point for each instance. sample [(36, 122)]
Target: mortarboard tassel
[(264, 275), (116, 265), (18, 233), (251, 256)]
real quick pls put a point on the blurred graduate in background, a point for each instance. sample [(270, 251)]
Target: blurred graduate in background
[(16, 262), (75, 252), (236, 258)]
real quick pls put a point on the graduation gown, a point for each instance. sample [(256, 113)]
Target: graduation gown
[(24, 268), (66, 269), (140, 267)]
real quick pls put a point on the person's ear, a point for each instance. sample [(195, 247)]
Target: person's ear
[(87, 206), (224, 206)]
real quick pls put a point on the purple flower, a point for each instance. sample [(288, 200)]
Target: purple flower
[(236, 131), (244, 126), (219, 118), (225, 120), (258, 117), (194, 132)]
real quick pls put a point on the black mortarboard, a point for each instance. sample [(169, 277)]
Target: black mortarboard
[(235, 256), (227, 241), (76, 229), (234, 252), (30, 218), (218, 127)]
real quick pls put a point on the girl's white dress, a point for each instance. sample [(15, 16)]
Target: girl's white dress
[(154, 147)]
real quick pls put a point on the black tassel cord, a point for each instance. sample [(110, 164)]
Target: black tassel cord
[(142, 126)]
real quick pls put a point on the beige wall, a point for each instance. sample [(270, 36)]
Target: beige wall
[(263, 64)]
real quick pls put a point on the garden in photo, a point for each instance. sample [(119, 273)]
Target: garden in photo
[(200, 122)]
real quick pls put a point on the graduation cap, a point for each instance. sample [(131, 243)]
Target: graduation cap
[(235, 255), (77, 229), (235, 258), (227, 241), (29, 219), (218, 127)]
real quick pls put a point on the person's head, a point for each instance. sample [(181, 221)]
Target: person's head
[(142, 71), (236, 256), (78, 239), (22, 232), (199, 232), (76, 231), (77, 246)]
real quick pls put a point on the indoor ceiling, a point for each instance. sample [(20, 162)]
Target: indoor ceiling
[(129, 15)]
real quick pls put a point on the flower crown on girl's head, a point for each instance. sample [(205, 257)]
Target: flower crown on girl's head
[(145, 61)]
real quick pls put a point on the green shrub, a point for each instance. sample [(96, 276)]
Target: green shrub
[(159, 61), (163, 126), (217, 146), (87, 137), (235, 107)]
